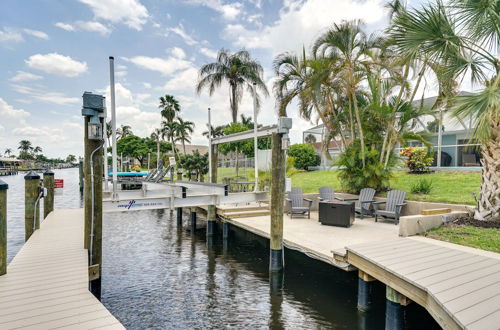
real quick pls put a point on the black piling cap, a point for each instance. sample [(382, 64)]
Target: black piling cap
[(31, 175), (111, 57), (48, 172), (3, 185)]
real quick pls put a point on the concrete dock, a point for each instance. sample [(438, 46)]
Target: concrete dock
[(46, 285)]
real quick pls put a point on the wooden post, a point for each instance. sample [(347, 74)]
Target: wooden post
[(277, 200), (3, 227), (395, 309), (31, 192), (365, 286), (212, 214), (193, 221), (179, 216), (96, 262), (48, 200)]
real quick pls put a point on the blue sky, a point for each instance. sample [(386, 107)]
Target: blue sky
[(52, 51)]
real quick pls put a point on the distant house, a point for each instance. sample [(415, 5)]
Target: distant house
[(10, 162), (453, 143), (190, 148), (314, 136)]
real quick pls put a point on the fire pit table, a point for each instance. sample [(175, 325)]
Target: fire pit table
[(336, 213)]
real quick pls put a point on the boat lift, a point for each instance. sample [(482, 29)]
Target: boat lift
[(156, 195)]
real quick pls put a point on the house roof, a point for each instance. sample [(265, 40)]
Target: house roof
[(10, 160), (190, 148)]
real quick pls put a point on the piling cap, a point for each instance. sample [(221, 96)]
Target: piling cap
[(48, 172), (3, 185), (31, 175)]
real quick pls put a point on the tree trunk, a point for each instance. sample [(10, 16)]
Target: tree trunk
[(234, 104), (488, 207), (184, 147)]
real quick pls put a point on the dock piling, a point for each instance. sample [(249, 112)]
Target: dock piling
[(80, 173), (179, 216), (31, 192), (211, 215), (365, 285), (193, 222), (3, 227), (277, 196), (48, 200), (395, 309)]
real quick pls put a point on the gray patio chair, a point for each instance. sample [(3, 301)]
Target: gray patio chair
[(296, 203), (326, 194), (365, 200), (393, 206)]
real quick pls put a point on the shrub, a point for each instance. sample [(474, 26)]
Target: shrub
[(136, 168), (418, 159), (304, 156), (194, 163), (422, 186), (354, 177)]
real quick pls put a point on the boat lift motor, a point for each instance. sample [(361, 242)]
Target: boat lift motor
[(93, 107)]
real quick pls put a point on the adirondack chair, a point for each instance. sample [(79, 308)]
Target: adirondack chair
[(365, 201), (393, 206), (326, 194), (296, 203)]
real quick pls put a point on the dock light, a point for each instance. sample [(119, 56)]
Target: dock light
[(93, 107)]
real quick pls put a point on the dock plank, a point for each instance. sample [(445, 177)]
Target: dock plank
[(46, 285), (462, 288)]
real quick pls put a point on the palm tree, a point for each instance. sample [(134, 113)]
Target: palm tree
[(124, 131), (184, 131), (25, 146), (37, 150), (169, 130), (169, 107), (239, 70), (8, 152), (345, 45), (156, 135), (215, 130), (462, 39)]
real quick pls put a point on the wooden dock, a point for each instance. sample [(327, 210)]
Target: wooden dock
[(458, 285), (460, 290), (46, 285)]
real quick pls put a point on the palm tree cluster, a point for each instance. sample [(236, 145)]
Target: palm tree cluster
[(27, 150), (173, 127), (363, 88)]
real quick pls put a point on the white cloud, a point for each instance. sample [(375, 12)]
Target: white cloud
[(208, 52), (304, 21), (178, 53), (9, 35), (89, 26), (181, 32), (93, 27), (9, 113), (165, 66), (147, 85), (185, 80), (129, 12), (25, 76), (129, 110), (65, 26), (57, 64), (229, 11), (44, 96), (36, 33), (120, 73)]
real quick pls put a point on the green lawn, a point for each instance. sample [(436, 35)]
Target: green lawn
[(448, 186), (481, 238)]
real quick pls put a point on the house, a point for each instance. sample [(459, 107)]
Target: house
[(453, 143)]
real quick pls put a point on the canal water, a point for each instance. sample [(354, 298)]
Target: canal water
[(157, 275)]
